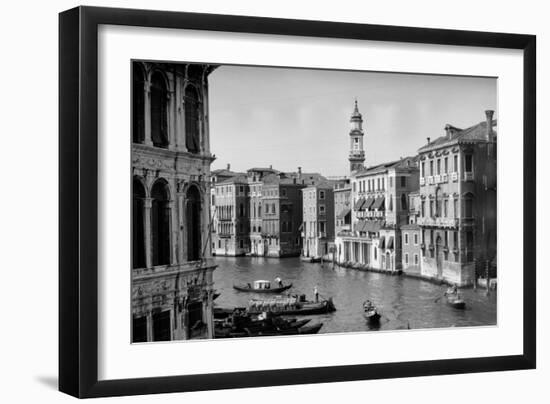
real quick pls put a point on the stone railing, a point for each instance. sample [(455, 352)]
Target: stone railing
[(437, 221), (167, 269)]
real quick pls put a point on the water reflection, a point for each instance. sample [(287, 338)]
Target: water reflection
[(403, 302)]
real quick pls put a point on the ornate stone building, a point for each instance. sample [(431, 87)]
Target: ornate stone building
[(172, 283), (458, 203)]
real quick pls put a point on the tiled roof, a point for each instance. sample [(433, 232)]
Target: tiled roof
[(237, 179), (263, 169), (476, 133), (223, 172), (405, 162)]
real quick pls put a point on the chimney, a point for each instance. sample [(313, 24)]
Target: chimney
[(228, 167), (270, 167), (428, 139), (299, 170), (489, 116), (448, 130)]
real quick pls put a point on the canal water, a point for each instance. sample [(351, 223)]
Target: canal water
[(403, 302)]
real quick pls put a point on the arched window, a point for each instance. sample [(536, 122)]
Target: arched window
[(192, 116), (138, 105), (403, 201), (160, 223), (193, 219), (159, 119), (138, 227)]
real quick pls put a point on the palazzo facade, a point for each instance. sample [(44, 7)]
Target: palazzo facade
[(458, 203), (172, 286)]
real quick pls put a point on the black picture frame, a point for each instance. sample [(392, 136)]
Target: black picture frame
[(78, 200)]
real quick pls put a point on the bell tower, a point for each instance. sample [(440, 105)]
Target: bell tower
[(356, 152)]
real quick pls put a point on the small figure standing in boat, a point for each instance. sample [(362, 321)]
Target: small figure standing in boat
[(452, 290), (316, 294), (279, 281)]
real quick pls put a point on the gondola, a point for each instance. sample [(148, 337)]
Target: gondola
[(456, 302), (370, 312), (248, 326), (311, 329), (454, 299), (261, 287)]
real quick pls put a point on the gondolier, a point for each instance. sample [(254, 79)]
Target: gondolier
[(316, 294)]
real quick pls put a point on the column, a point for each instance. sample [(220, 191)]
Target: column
[(172, 324), (180, 227), (183, 133), (171, 118), (173, 232), (147, 205), (207, 314), (147, 113), (149, 320)]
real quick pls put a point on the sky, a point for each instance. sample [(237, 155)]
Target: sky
[(262, 116)]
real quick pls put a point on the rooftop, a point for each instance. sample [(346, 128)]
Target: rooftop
[(236, 179), (476, 133), (405, 162)]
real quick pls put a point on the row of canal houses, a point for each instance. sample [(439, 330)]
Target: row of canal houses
[(259, 212), (432, 215)]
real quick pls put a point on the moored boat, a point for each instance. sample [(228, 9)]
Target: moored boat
[(245, 325), (262, 286), (310, 329), (291, 305)]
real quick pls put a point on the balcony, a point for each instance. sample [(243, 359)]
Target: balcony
[(437, 221), (454, 176), (430, 180), (468, 176), (437, 179), (357, 153), (444, 178), (164, 270), (422, 181)]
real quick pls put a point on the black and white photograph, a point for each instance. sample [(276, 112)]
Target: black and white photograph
[(272, 201)]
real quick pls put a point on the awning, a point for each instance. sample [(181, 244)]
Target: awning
[(382, 243), (359, 203), (368, 203), (343, 213), (378, 203), (390, 243)]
